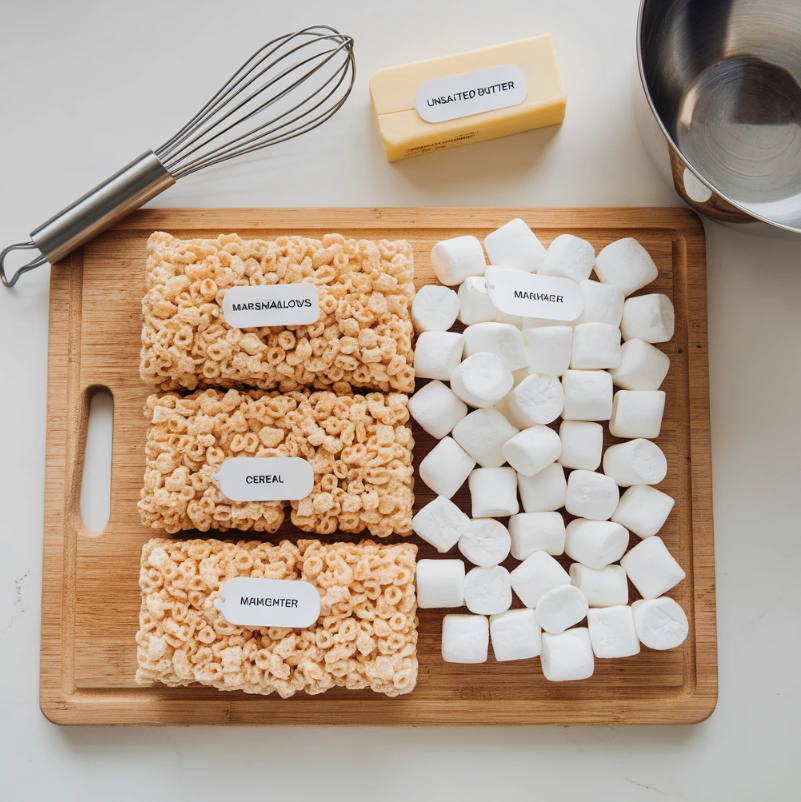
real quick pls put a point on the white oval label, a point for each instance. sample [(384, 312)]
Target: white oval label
[(521, 294), (254, 602), (272, 305), (265, 478), (471, 93)]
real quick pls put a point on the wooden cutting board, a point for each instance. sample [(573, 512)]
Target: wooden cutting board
[(90, 600)]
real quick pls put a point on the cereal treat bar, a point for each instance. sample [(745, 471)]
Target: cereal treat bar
[(358, 445), (365, 637), (363, 337)]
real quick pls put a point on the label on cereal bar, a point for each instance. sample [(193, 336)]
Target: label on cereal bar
[(273, 305), (265, 478), (521, 294), (254, 602)]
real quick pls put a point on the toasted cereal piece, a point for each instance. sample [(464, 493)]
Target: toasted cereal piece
[(359, 447), (365, 636), (363, 337)]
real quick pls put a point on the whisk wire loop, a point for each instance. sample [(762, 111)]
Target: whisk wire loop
[(220, 98), (268, 70), (258, 137)]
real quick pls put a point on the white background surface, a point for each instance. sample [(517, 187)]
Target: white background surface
[(86, 86)]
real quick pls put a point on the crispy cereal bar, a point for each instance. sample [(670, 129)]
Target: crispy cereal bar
[(358, 445), (363, 337), (365, 637)]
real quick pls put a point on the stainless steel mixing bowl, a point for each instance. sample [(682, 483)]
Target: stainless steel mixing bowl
[(721, 108)]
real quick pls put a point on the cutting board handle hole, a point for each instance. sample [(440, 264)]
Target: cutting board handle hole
[(95, 500)]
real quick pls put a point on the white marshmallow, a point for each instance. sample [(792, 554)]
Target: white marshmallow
[(486, 542), (440, 583), (602, 303), (539, 398), (625, 264), (437, 409), (549, 349), (446, 467), (660, 623), (567, 656), (637, 413), (595, 544), (545, 491), (612, 632), (537, 531), (465, 638), (635, 462), (603, 587), (487, 591), (648, 317), (588, 395), (515, 245), (474, 302), (456, 259), (595, 345), (532, 449), (561, 608), (643, 510), (591, 495), (569, 257), (535, 576), (652, 568), (437, 353), (582, 444), (493, 492), (481, 380), (501, 339), (434, 308), (642, 366), (440, 523), (515, 635), (482, 435)]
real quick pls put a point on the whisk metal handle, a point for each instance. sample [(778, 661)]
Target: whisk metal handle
[(126, 190)]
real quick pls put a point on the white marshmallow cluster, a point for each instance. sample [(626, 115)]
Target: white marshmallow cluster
[(498, 425)]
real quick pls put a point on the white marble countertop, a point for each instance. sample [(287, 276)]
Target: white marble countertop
[(87, 85)]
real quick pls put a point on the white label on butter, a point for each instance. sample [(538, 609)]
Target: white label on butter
[(272, 305), (253, 602), (471, 93), (521, 294), (265, 478)]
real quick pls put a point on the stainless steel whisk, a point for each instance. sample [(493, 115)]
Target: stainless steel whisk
[(296, 81)]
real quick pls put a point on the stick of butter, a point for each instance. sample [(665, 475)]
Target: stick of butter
[(468, 97)]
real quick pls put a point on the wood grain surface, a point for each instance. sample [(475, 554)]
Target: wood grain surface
[(90, 600)]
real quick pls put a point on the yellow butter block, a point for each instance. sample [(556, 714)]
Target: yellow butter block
[(468, 97)]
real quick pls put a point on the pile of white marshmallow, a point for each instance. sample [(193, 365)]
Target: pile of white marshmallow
[(519, 375)]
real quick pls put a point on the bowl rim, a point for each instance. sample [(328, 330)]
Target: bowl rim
[(704, 181)]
